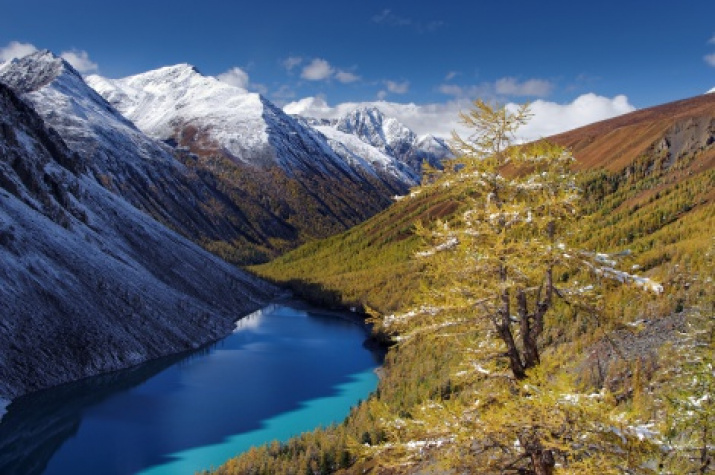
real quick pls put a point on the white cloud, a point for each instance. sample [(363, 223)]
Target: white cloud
[(451, 90), (291, 62), (387, 17), (551, 118), (712, 40), (235, 77), (313, 106), (451, 75), (317, 70), (532, 87), (15, 49), (346, 77), (80, 61), (441, 119), (398, 87), (504, 87), (238, 77), (381, 95), (710, 59)]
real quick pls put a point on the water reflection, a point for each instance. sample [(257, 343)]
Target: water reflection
[(36, 425)]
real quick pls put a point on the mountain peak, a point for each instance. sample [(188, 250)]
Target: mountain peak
[(35, 71), (369, 123), (179, 75), (181, 68), (370, 110)]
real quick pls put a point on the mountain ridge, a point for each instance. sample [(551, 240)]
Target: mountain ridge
[(635, 132), (284, 176)]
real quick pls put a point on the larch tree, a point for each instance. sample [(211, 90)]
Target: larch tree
[(491, 274), (498, 260)]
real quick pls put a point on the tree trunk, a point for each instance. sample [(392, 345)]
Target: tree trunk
[(543, 462), (528, 335), (505, 333)]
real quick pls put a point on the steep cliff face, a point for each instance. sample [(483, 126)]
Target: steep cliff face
[(89, 283)]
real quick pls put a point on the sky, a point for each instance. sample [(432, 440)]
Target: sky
[(421, 61)]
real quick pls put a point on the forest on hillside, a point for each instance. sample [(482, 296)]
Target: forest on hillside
[(543, 321)]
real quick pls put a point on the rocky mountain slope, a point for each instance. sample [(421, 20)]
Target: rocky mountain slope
[(394, 138), (89, 283), (145, 172), (369, 133)]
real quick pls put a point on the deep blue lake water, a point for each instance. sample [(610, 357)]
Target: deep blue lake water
[(285, 370)]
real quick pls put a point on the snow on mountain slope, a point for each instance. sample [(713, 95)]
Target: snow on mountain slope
[(89, 283), (81, 116), (118, 154), (385, 133), (390, 137), (359, 153), (161, 101), (175, 101)]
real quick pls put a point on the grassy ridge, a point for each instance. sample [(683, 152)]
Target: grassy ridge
[(369, 265)]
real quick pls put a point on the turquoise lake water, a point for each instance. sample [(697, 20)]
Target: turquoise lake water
[(285, 370)]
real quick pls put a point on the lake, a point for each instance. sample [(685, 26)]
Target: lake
[(285, 370)]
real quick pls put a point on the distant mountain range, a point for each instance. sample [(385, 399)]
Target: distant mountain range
[(224, 167)]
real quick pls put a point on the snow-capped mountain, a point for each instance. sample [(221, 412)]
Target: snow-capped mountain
[(390, 137), (81, 116), (88, 283), (177, 100), (359, 153), (257, 156), (371, 125), (179, 103)]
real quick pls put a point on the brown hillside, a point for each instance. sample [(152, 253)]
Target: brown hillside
[(681, 127)]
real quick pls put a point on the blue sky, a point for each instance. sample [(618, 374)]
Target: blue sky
[(424, 53)]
